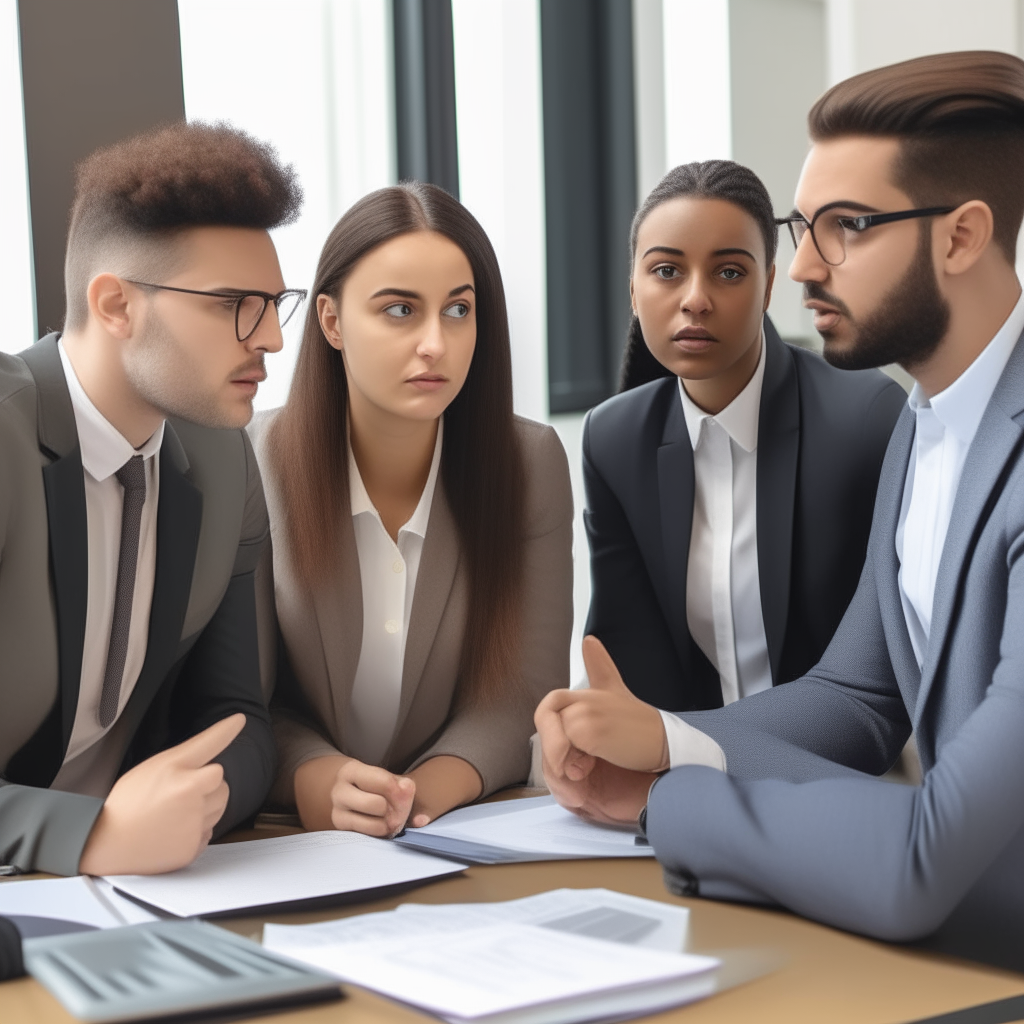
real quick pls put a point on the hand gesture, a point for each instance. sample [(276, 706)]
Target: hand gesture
[(602, 746), (371, 800), (160, 815)]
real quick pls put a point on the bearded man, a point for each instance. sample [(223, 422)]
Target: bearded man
[(906, 223)]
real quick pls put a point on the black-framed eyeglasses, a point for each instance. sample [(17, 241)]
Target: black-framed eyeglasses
[(831, 228), (249, 305)]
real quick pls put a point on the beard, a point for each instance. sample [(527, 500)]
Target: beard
[(162, 373), (906, 327)]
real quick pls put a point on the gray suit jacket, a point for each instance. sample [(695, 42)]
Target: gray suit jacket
[(322, 635), (201, 661), (800, 821)]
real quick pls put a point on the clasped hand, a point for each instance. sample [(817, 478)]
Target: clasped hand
[(602, 747), (373, 801)]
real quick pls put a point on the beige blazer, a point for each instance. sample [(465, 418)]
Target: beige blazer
[(322, 635)]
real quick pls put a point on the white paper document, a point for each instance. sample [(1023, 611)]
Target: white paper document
[(82, 901), (522, 830), (312, 865), (595, 913), (517, 974)]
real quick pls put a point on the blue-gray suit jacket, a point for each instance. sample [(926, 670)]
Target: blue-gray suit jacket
[(801, 821)]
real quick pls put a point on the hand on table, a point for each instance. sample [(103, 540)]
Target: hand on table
[(160, 815), (372, 800), (601, 747)]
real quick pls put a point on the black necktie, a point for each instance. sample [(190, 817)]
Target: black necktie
[(132, 476)]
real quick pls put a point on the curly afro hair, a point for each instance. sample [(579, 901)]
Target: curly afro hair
[(150, 186)]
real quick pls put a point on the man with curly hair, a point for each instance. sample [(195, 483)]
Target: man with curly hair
[(132, 515)]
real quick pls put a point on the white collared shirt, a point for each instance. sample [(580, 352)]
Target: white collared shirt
[(723, 592), (104, 451), (388, 573), (946, 425)]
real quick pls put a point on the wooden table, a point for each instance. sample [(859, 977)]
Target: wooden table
[(827, 976)]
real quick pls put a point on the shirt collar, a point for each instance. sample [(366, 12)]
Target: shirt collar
[(960, 407), (739, 418), (104, 448), (418, 520)]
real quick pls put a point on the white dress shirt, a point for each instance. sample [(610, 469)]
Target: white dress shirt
[(388, 574), (946, 425), (723, 591), (104, 451)]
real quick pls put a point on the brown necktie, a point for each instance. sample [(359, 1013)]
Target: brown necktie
[(132, 476)]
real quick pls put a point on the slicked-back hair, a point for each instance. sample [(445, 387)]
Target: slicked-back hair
[(134, 197), (959, 119), (710, 179), (482, 468)]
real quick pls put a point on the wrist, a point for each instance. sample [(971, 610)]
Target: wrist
[(313, 784)]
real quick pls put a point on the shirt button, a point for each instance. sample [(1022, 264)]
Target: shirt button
[(391, 626), (397, 565)]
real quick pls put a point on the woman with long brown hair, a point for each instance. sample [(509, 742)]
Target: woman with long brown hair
[(421, 532)]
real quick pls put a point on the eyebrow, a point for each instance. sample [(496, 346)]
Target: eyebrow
[(404, 293), (845, 204), (734, 251)]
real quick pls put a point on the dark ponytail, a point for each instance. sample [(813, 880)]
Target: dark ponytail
[(712, 179)]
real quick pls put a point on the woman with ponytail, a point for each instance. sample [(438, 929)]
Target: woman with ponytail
[(730, 484)]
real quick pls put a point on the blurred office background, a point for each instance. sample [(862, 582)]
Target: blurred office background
[(549, 119)]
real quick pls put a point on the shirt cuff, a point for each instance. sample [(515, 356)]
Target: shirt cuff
[(687, 745)]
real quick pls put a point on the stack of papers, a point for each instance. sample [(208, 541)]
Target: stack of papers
[(287, 869), (596, 913), (513, 831), (546, 959)]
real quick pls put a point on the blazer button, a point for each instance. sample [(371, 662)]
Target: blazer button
[(391, 626), (397, 566)]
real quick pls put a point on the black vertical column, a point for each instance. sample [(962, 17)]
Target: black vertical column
[(93, 71), (590, 184), (425, 93)]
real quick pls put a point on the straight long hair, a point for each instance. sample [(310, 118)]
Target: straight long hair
[(482, 468), (712, 179)]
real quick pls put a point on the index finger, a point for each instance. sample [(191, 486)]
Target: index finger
[(206, 745)]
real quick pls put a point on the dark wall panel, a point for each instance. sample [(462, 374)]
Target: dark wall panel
[(590, 185), (425, 93), (94, 71)]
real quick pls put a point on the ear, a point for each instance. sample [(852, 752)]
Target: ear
[(111, 305), (632, 296), (768, 289), (964, 235), (327, 314)]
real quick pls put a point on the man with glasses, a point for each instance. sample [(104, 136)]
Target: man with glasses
[(907, 217), (132, 515)]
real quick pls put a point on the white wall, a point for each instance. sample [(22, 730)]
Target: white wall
[(864, 34), (312, 77), (16, 251)]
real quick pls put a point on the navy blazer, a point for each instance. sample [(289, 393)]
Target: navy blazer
[(822, 434)]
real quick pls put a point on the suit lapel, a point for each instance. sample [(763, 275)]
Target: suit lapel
[(675, 502), (38, 762), (438, 564), (886, 563), (778, 451), (997, 439), (339, 615)]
